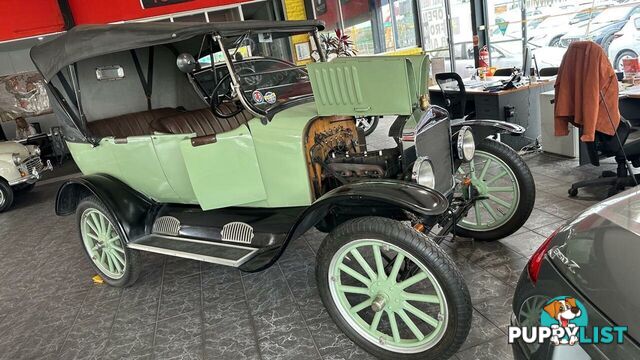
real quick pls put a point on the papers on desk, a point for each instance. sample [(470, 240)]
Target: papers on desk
[(479, 84), (630, 91)]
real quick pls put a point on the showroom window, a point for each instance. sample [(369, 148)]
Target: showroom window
[(374, 26), (436, 32)]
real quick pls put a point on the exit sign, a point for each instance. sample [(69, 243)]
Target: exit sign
[(146, 4)]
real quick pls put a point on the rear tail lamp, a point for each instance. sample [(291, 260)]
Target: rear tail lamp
[(533, 267)]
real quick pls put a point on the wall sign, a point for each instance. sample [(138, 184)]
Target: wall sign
[(146, 4)]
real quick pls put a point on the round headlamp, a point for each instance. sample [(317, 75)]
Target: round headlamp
[(17, 160), (37, 151), (423, 173), (466, 144)]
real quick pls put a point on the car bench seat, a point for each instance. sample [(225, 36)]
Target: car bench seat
[(202, 122), (134, 124)]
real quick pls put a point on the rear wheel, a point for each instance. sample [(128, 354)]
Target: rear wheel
[(392, 290), (505, 186), (104, 244), (6, 195)]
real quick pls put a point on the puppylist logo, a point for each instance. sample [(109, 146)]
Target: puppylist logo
[(564, 321)]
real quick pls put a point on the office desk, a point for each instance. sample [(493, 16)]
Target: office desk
[(525, 101)]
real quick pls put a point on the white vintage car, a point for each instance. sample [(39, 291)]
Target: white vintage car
[(20, 168)]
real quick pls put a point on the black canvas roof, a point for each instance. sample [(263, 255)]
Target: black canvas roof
[(87, 41)]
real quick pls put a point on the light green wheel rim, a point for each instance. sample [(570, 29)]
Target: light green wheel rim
[(102, 242), (495, 181), (379, 305)]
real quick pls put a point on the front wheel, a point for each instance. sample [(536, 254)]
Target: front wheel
[(6, 195), (104, 244), (392, 290), (504, 188)]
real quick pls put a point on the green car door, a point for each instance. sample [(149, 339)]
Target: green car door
[(225, 172)]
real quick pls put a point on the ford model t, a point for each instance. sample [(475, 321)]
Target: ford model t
[(204, 141)]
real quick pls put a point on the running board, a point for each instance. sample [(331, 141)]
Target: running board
[(216, 253)]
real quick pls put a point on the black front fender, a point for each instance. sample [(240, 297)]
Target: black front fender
[(126, 205), (483, 128), (371, 195)]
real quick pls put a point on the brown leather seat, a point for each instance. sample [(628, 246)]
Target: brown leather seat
[(201, 122), (134, 124)]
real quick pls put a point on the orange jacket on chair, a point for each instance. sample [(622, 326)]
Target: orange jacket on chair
[(585, 72)]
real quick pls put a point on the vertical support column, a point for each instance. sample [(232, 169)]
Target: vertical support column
[(479, 28)]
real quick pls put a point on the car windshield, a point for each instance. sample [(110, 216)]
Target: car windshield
[(264, 65)]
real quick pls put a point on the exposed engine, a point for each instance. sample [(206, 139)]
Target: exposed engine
[(338, 156)]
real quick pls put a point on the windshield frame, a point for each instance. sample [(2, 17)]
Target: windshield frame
[(264, 115)]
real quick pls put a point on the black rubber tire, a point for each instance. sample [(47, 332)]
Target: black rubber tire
[(422, 248), (132, 257), (527, 193), (7, 193), (374, 125), (622, 54), (573, 192)]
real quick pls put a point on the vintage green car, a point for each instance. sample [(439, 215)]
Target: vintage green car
[(204, 141)]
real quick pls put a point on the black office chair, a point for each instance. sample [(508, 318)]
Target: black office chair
[(503, 72), (454, 93), (606, 146), (550, 71)]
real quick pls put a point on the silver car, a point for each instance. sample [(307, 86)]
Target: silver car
[(582, 285), (626, 44)]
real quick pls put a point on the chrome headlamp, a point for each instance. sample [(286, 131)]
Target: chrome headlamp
[(423, 173), (466, 144), (17, 160), (37, 151)]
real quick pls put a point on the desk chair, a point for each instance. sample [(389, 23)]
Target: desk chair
[(608, 146), (550, 71), (454, 93), (503, 72)]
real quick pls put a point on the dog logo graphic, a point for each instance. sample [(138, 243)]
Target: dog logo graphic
[(566, 313)]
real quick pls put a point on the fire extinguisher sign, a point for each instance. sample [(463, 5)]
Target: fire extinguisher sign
[(146, 4)]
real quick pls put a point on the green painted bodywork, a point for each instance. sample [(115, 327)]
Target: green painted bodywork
[(224, 173), (361, 86), (256, 165)]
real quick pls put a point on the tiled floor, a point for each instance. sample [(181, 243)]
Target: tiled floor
[(50, 309)]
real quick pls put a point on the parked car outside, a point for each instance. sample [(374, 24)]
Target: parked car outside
[(584, 276), (626, 43), (603, 27), (20, 168)]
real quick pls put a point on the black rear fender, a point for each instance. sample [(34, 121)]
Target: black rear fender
[(129, 207)]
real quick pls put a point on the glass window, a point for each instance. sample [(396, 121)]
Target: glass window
[(358, 24), (435, 39), (405, 23), (504, 26)]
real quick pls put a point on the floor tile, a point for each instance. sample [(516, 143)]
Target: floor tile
[(283, 334)]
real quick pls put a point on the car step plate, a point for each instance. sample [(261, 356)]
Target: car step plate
[(216, 253)]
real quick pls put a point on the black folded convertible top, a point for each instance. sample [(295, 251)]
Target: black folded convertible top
[(87, 41)]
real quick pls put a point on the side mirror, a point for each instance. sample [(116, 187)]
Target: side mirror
[(636, 22), (186, 63)]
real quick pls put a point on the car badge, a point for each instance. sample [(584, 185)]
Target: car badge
[(556, 252)]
